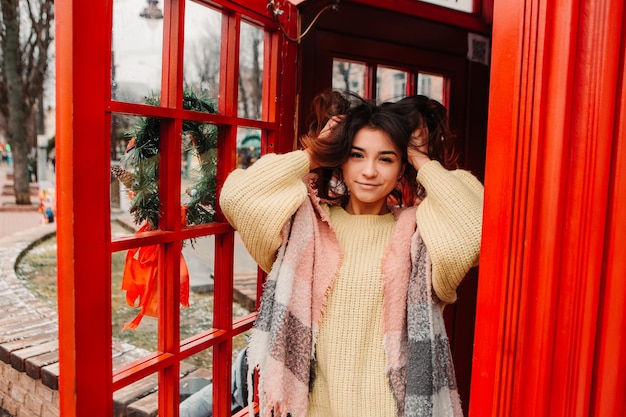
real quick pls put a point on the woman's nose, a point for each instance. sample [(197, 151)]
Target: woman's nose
[(369, 169)]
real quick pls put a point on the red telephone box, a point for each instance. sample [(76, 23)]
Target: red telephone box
[(550, 295)]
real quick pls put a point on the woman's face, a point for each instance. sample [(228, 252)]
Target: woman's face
[(371, 171)]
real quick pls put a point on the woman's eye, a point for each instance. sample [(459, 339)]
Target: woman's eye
[(386, 159), (356, 155)]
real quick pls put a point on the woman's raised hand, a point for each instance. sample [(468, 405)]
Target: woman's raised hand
[(418, 148)]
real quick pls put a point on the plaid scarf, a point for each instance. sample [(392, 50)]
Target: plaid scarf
[(282, 343)]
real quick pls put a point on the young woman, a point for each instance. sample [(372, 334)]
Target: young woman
[(350, 322)]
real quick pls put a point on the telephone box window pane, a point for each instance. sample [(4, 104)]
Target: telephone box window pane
[(125, 171), (135, 168), (239, 372), (198, 169), (130, 345), (245, 280), (203, 41), (431, 85), (248, 146), (349, 76), (196, 387), (137, 44), (250, 72), (462, 5), (196, 384), (199, 257), (390, 84)]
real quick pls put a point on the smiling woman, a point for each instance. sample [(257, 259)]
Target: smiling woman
[(328, 224), (373, 169)]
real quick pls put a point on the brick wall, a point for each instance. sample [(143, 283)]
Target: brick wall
[(20, 394), (23, 396)]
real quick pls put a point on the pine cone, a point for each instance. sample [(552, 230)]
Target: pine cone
[(125, 177)]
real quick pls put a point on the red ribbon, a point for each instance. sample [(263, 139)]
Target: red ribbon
[(140, 281)]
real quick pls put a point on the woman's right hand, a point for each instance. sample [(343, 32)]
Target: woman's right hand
[(324, 135)]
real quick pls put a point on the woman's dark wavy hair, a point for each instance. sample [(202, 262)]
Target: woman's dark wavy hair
[(419, 109), (332, 151)]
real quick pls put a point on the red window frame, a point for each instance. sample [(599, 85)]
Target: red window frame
[(84, 110)]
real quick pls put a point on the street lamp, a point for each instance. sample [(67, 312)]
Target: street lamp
[(152, 11)]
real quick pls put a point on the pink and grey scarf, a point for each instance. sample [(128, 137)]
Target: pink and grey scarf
[(282, 344)]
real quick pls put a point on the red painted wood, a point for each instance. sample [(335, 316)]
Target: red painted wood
[(83, 208), (83, 213), (550, 211), (471, 21), (287, 86)]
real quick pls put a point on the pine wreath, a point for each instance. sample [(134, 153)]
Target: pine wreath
[(141, 165)]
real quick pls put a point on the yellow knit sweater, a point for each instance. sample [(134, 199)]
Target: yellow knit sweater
[(350, 367), (350, 378)]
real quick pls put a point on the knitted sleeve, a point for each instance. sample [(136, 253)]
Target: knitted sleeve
[(450, 222), (258, 201)]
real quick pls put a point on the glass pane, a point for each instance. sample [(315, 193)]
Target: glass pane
[(137, 44), (134, 170), (203, 41), (248, 146), (199, 256), (196, 387), (128, 271), (349, 76), (250, 72), (122, 171), (198, 170), (431, 85), (239, 374), (462, 5), (245, 280), (390, 84), (139, 398)]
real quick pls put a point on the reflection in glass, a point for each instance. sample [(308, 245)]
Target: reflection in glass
[(431, 85), (248, 146), (203, 42), (390, 84), (137, 44), (349, 76), (250, 72)]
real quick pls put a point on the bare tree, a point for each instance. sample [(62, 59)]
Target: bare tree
[(25, 37), (250, 72), (344, 70)]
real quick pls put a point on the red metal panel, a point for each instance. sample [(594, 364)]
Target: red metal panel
[(452, 17), (287, 94), (550, 211), (223, 283), (223, 319), (608, 392), (83, 236)]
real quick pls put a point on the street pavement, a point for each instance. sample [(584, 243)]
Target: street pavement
[(15, 218)]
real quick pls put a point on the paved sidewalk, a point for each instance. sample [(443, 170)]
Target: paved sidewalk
[(15, 218)]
